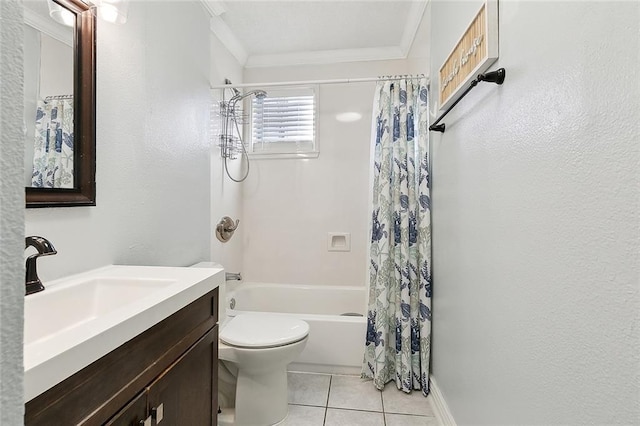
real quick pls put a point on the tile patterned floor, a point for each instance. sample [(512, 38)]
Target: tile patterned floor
[(333, 400)]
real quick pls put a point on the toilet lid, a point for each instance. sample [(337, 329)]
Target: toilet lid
[(263, 330)]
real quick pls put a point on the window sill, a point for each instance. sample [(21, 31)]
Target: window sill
[(279, 156)]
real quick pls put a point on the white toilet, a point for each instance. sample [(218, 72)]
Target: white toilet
[(255, 350)]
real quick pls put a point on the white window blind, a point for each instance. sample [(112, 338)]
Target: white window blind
[(284, 122)]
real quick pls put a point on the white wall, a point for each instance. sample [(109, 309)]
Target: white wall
[(11, 214), (226, 195), (290, 204), (535, 220), (56, 67), (418, 56), (153, 168)]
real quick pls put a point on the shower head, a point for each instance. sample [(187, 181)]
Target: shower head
[(260, 94)]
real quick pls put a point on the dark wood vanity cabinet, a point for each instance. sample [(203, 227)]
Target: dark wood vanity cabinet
[(166, 376), (181, 395)]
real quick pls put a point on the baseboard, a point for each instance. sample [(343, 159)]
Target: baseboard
[(440, 407)]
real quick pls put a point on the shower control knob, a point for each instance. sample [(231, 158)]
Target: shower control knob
[(225, 229)]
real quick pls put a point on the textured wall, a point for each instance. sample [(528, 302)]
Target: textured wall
[(535, 220), (11, 214), (290, 204), (153, 171), (31, 66)]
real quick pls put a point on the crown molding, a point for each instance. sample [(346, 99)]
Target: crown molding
[(411, 26), (214, 7), (229, 39), (325, 57), (48, 26)]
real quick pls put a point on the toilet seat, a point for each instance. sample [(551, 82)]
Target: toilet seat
[(256, 331)]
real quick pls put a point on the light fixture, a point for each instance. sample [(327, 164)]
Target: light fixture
[(114, 11), (60, 14)]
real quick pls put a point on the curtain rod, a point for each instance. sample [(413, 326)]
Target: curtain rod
[(312, 82), (56, 97)]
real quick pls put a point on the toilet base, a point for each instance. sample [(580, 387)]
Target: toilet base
[(261, 391), (262, 399), (228, 418)]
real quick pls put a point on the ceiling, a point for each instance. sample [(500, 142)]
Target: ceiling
[(36, 15), (299, 32), (296, 32)]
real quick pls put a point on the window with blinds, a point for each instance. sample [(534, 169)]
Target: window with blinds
[(284, 122)]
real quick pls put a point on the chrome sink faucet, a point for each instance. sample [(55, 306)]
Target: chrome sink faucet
[(45, 248)]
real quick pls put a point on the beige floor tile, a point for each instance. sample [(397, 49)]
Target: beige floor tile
[(303, 415), (308, 389), (354, 393), (397, 402), (408, 420), (338, 417)]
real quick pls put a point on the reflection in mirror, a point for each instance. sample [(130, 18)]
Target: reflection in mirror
[(48, 100), (59, 115)]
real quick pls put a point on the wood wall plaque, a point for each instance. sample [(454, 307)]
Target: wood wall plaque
[(474, 53)]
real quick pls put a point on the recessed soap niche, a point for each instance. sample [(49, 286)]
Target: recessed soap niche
[(339, 241)]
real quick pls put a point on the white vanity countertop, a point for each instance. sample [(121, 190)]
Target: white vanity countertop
[(78, 319)]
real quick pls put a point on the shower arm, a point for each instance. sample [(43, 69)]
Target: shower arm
[(258, 93)]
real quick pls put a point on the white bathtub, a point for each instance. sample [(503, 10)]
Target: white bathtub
[(336, 342)]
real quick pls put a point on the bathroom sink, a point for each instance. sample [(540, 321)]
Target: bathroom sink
[(77, 320), (69, 305)]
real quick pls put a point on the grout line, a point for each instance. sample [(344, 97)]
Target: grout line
[(297, 403), (356, 409), (381, 401), (412, 415), (360, 410), (326, 408)]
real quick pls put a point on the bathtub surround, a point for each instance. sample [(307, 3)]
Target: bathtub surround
[(291, 205), (535, 219), (152, 156), (11, 214), (399, 315)]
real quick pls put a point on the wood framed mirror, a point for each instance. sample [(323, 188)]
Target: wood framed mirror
[(80, 187)]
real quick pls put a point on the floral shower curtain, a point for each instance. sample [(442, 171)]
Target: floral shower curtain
[(53, 149), (399, 312)]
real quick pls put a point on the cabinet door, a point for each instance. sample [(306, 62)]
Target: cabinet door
[(133, 414), (186, 394)]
